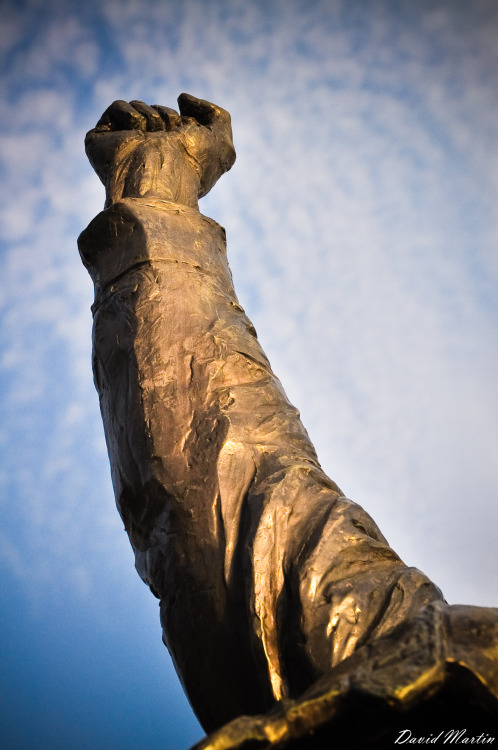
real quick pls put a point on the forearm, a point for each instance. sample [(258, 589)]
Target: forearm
[(184, 388), (146, 264)]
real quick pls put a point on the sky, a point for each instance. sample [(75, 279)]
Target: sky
[(361, 217)]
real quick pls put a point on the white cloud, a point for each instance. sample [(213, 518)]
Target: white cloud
[(360, 232), (362, 223)]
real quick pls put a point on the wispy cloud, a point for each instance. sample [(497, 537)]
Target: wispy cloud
[(361, 220), (362, 225)]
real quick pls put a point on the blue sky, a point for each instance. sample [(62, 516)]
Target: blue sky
[(362, 222)]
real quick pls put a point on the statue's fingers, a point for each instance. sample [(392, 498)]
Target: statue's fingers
[(121, 116), (152, 116), (214, 138), (170, 117), (215, 119), (203, 111)]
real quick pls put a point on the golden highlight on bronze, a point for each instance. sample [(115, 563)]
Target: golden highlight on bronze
[(289, 618)]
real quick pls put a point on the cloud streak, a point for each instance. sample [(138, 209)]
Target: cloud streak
[(358, 217), (362, 224)]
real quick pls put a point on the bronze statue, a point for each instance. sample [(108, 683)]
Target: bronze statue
[(279, 596)]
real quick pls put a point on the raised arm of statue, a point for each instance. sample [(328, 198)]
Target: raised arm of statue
[(269, 578)]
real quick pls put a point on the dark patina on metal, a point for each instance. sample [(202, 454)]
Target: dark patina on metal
[(290, 620)]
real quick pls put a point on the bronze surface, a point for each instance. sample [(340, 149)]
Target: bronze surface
[(279, 596)]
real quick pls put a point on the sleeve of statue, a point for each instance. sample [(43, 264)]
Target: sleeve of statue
[(267, 575)]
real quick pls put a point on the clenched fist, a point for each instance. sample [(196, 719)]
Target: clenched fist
[(153, 152)]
